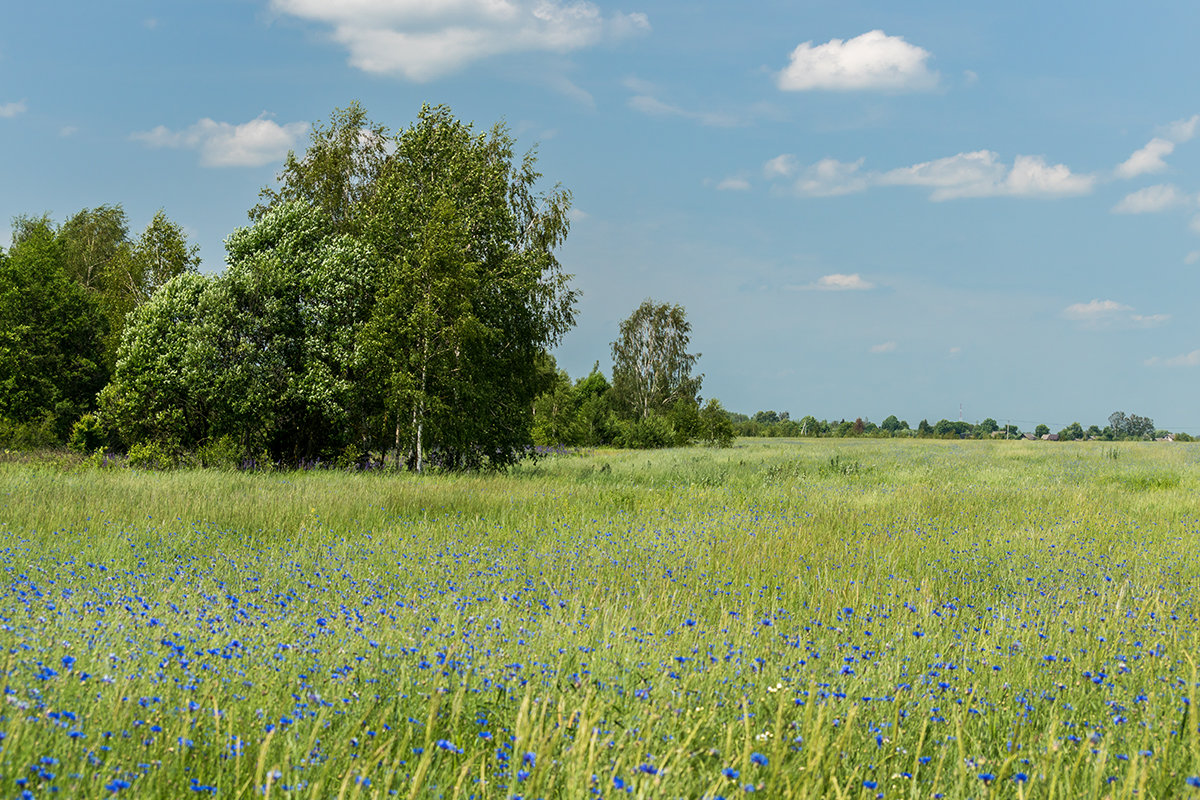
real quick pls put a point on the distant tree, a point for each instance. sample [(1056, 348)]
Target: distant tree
[(924, 429), (716, 429), (891, 424), (858, 427), (1041, 430), (766, 417), (1072, 432), (1139, 427), (988, 427), (809, 426), (652, 368), (1119, 424), (1094, 432)]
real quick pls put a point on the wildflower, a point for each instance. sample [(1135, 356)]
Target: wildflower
[(759, 759), (730, 772)]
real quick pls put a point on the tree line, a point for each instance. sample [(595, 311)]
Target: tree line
[(392, 301), (1121, 427)]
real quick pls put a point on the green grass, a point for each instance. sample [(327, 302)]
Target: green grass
[(816, 616)]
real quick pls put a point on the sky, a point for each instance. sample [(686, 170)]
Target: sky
[(925, 209)]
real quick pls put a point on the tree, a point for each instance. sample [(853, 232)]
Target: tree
[(716, 429), (471, 291), (338, 173), (988, 427), (1041, 430), (51, 334), (652, 369), (1072, 432)]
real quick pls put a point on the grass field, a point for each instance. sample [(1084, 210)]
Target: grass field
[(802, 619)]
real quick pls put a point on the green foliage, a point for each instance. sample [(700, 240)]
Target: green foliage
[(649, 433), (471, 291), (652, 369), (51, 335), (154, 455), (87, 435), (716, 429)]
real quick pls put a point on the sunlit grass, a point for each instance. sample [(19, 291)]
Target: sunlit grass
[(798, 618)]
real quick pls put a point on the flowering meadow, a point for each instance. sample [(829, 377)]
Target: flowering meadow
[(852, 619)]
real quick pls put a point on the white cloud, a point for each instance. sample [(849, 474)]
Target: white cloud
[(1151, 157), (1149, 320), (9, 110), (885, 347), (975, 174), (838, 282), (783, 166), (830, 178), (1148, 159), (1151, 199), (1110, 313), (1191, 359), (1182, 130), (1192, 257), (1096, 309), (964, 175), (420, 40), (222, 144), (873, 60), (734, 183), (648, 104)]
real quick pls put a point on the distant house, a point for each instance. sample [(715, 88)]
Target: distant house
[(1028, 437), (1170, 437), (1050, 437)]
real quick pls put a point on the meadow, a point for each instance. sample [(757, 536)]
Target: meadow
[(800, 619)]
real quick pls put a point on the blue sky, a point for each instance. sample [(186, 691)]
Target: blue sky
[(866, 208)]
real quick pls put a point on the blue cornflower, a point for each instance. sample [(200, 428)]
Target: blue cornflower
[(759, 759), (523, 775), (529, 758), (1193, 781), (730, 772), (1020, 777), (117, 785), (870, 784), (987, 777), (446, 744)]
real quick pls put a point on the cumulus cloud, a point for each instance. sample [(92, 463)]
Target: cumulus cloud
[(976, 174), (734, 183), (885, 347), (420, 40), (1109, 313), (222, 144), (783, 166), (1151, 157), (1151, 199), (1096, 309), (1191, 359), (838, 282), (873, 60), (1148, 159), (830, 178), (9, 110)]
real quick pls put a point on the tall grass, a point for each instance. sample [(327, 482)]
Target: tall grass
[(800, 618)]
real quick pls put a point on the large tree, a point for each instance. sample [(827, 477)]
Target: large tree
[(652, 368), (471, 291), (51, 333)]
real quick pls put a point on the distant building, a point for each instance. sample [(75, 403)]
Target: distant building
[(1050, 437)]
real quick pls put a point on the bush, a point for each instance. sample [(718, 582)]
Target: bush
[(645, 434), (154, 455), (87, 435), (221, 453)]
